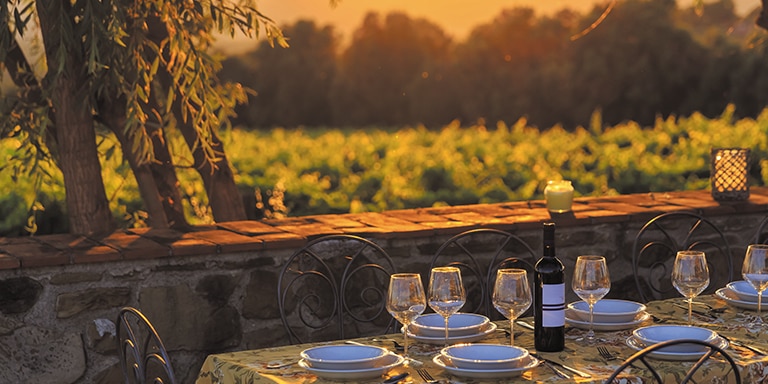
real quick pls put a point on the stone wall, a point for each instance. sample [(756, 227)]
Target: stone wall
[(213, 289)]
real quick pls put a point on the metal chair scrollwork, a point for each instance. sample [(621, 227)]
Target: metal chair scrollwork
[(659, 240), (479, 253), (335, 287), (645, 356), (143, 357), (761, 234)]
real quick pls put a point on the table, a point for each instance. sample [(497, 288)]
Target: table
[(250, 366)]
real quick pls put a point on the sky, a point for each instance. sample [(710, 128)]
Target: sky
[(456, 17)]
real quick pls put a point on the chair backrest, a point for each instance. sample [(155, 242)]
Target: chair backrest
[(761, 235), (479, 253), (335, 287), (645, 356), (143, 357), (659, 240)]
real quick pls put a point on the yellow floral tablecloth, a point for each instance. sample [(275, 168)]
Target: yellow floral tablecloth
[(251, 366)]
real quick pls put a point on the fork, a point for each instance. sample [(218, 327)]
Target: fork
[(426, 376), (606, 354)]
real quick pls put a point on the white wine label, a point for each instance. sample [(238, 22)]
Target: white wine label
[(553, 305)]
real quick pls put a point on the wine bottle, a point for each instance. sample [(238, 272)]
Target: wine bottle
[(549, 304)]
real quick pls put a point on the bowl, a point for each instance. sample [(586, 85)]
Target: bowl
[(659, 333), (459, 324), (344, 357), (485, 356), (744, 290), (608, 310)]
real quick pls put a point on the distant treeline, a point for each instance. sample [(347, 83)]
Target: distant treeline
[(648, 58)]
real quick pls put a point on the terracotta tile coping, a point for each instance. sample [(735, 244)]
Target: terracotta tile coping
[(232, 237)]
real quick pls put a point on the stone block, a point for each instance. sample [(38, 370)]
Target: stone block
[(260, 294), (187, 321), (100, 335), (73, 303), (37, 355), (18, 294), (217, 289)]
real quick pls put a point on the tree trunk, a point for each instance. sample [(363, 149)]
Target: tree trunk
[(87, 204), (157, 181), (223, 195)]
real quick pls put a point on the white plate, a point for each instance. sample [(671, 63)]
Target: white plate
[(635, 344), (571, 320), (731, 298), (459, 324), (654, 334), (607, 310), (388, 362), (454, 339), (744, 290), (345, 357), (485, 373), (485, 356)]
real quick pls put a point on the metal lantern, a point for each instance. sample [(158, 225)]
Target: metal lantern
[(729, 172)]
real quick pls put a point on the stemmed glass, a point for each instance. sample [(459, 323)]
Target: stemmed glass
[(446, 293), (690, 276), (591, 283), (511, 296), (755, 271), (405, 300)]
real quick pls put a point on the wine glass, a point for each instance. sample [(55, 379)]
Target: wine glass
[(690, 276), (755, 271), (446, 293), (511, 296), (405, 300), (591, 283)]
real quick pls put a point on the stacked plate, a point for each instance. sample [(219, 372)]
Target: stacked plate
[(740, 294), (609, 314), (647, 336), (485, 361), (462, 328), (348, 362)]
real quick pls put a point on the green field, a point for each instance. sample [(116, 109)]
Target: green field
[(295, 172)]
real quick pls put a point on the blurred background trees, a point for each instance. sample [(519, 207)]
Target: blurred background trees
[(646, 59)]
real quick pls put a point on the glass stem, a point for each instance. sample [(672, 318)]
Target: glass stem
[(690, 311), (512, 331), (591, 333), (405, 341), (446, 331), (759, 303)]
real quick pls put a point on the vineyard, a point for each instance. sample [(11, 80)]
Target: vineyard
[(296, 172)]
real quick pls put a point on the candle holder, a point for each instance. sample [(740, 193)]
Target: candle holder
[(730, 174), (559, 195)]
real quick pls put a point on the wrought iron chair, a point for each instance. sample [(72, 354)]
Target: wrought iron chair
[(335, 287), (761, 234), (143, 357), (479, 253), (657, 243), (645, 357)]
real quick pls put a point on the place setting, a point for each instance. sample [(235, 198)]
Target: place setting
[(747, 293), (591, 282)]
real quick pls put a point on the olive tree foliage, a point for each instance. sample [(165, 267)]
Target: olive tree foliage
[(139, 69)]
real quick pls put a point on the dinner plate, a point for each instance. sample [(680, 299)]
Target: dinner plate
[(388, 362), (637, 345), (731, 298), (484, 373), (454, 339), (743, 290), (574, 322)]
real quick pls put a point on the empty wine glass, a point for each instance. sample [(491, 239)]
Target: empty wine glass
[(591, 283), (446, 293), (755, 271), (511, 296), (690, 276), (405, 300)]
